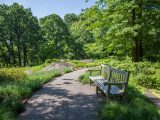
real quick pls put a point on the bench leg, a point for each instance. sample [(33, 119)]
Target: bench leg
[(123, 97), (90, 82), (96, 90)]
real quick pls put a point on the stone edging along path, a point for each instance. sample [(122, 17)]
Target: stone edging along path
[(63, 98)]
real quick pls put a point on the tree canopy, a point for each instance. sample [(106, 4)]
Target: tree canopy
[(109, 28), (19, 35)]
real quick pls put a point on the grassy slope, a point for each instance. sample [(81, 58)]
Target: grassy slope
[(17, 86)]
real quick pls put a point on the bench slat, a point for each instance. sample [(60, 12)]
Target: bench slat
[(93, 78), (114, 89)]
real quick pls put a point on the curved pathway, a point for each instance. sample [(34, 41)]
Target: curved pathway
[(64, 98)]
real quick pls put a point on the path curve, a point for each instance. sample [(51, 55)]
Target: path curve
[(64, 98)]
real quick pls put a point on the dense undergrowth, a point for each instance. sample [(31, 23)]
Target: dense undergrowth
[(136, 106), (16, 85)]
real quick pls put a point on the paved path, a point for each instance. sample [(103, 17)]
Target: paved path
[(64, 98), (152, 97)]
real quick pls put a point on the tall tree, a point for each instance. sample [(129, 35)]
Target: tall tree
[(80, 36), (70, 18), (19, 29), (132, 26), (55, 33)]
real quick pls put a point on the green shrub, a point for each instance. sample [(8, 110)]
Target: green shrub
[(146, 74), (67, 69), (14, 89), (135, 107), (6, 113), (118, 111), (36, 80), (48, 61), (84, 79), (14, 104), (12, 74)]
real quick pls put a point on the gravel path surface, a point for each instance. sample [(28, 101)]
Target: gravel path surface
[(64, 98)]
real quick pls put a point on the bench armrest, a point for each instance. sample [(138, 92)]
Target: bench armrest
[(94, 71)]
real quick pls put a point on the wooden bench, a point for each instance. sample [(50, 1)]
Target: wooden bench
[(103, 73), (116, 84)]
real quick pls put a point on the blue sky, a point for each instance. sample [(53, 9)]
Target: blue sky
[(41, 8)]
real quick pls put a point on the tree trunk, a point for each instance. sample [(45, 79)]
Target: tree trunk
[(8, 58), (24, 54), (4, 58), (19, 50), (140, 36), (135, 50), (12, 51), (140, 49)]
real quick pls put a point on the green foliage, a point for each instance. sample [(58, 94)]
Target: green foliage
[(77, 64), (36, 80), (117, 111), (81, 64), (19, 36), (121, 28), (149, 81), (110, 27), (54, 31), (136, 106), (12, 74), (67, 69), (6, 113), (80, 36), (69, 19), (146, 74), (48, 61), (84, 79)]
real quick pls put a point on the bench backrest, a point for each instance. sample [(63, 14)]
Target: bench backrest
[(105, 71), (119, 76)]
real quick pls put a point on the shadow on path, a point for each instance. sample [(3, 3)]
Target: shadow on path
[(63, 99)]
